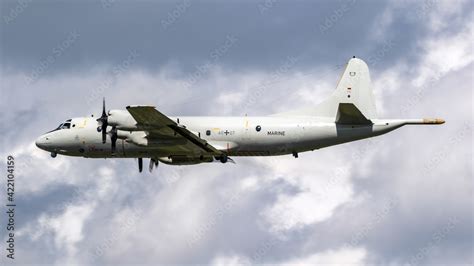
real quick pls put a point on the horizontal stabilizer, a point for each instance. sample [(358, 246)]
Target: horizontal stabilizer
[(348, 114)]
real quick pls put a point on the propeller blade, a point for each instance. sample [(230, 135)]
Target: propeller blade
[(113, 138), (104, 134), (104, 114), (140, 165), (103, 121), (150, 167)]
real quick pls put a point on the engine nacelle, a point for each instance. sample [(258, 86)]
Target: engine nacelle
[(123, 120), (140, 138), (135, 137)]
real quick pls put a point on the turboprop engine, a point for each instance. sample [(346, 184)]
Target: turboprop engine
[(118, 120), (123, 120)]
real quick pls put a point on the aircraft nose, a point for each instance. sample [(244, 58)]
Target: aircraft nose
[(42, 142)]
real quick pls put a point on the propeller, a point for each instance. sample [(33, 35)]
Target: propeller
[(103, 122), (153, 162)]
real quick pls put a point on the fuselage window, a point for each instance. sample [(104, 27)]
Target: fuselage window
[(258, 128), (208, 132)]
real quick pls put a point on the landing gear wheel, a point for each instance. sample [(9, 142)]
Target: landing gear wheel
[(53, 154), (223, 158)]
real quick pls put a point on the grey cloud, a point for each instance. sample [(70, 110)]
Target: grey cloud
[(106, 34)]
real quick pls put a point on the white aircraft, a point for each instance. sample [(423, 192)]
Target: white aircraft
[(349, 114)]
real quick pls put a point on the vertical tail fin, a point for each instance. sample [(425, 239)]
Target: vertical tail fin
[(354, 87)]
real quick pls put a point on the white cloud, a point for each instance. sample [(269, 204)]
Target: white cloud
[(67, 229), (233, 260), (318, 196), (343, 256)]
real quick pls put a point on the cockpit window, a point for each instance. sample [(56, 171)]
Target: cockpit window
[(65, 125)]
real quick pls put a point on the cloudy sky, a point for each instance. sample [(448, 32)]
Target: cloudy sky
[(405, 198)]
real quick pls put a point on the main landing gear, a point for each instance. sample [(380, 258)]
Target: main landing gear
[(224, 158), (54, 154)]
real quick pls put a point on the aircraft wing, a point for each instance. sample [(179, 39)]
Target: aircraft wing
[(159, 126)]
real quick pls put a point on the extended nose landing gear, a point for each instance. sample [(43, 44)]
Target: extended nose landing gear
[(54, 154)]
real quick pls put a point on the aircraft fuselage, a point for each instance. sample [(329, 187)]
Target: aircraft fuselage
[(237, 136)]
